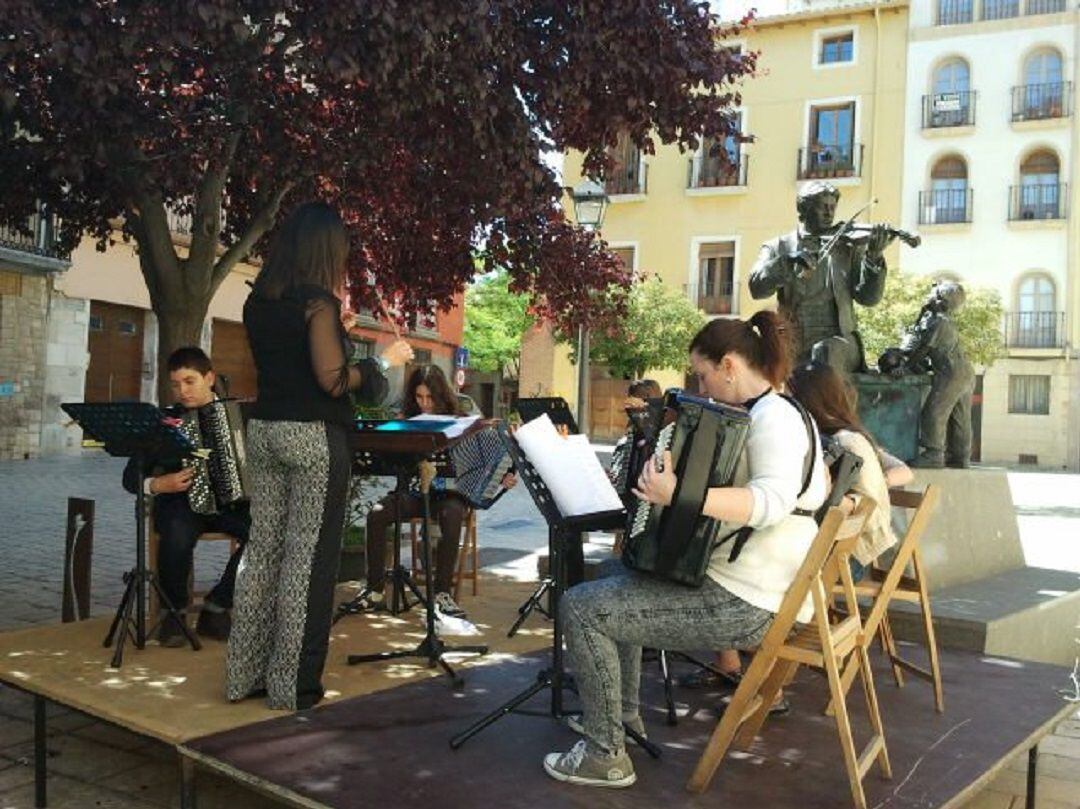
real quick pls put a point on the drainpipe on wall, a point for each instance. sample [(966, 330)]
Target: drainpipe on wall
[(1072, 254)]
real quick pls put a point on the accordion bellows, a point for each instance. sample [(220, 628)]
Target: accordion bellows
[(676, 542), (220, 472), (480, 462)]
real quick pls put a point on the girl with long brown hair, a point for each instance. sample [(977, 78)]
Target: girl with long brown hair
[(298, 461), (426, 392)]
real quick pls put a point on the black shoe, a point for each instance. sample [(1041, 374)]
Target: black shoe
[(170, 634), (709, 679), (214, 624)]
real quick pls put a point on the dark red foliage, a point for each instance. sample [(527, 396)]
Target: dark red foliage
[(424, 121)]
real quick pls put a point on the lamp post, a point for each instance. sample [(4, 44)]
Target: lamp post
[(590, 202)]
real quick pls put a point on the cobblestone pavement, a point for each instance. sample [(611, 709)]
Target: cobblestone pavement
[(95, 765)]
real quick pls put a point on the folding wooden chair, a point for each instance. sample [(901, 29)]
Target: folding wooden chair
[(468, 560), (882, 586), (820, 644)]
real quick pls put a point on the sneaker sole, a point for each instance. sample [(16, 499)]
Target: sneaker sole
[(558, 775)]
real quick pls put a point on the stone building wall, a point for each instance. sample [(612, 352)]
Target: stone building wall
[(67, 357), (23, 303)]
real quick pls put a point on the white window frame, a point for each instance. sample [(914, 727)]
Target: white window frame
[(804, 138), (821, 34), (629, 245), (695, 257)]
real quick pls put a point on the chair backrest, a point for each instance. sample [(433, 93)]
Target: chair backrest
[(923, 503), (834, 528)]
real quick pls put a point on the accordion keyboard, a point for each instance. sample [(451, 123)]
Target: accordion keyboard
[(644, 509)]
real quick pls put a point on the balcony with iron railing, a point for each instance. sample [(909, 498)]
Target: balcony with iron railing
[(955, 12), (829, 161), (945, 206), (1038, 102), (948, 109), (35, 244), (716, 299), (1035, 329), (1044, 6), (1000, 9), (1037, 201), (628, 178), (717, 172)]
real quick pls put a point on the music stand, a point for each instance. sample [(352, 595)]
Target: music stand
[(555, 406), (561, 531), (406, 449), (135, 430)]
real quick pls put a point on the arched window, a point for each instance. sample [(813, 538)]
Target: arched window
[(1036, 316), (1039, 193), (949, 191), (950, 103), (1043, 92)]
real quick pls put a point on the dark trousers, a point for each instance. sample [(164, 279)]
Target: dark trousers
[(178, 530), (448, 508)]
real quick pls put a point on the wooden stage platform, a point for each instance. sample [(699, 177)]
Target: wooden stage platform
[(381, 738)]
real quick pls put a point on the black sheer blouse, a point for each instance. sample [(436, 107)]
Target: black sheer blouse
[(301, 354)]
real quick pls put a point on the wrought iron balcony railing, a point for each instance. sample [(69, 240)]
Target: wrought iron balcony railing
[(1035, 102), (945, 206), (828, 160), (1035, 329), (1000, 9), (715, 172), (948, 109), (955, 12), (715, 300), (1038, 201), (38, 238)]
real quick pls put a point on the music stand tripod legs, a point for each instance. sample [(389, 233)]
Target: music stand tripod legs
[(134, 598), (432, 646)]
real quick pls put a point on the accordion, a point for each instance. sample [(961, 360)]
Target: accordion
[(706, 440), (844, 468), (480, 460), (630, 454), (220, 468)]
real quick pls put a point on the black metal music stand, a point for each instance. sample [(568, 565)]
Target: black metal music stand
[(135, 430), (407, 454), (556, 407), (561, 530)]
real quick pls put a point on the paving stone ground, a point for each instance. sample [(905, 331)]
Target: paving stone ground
[(93, 764)]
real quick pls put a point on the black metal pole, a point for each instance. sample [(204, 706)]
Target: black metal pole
[(140, 554), (40, 774), (1032, 772)]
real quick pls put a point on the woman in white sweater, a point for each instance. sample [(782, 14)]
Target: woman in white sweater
[(608, 621)]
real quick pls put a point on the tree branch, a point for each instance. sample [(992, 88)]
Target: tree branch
[(259, 225), (206, 216)]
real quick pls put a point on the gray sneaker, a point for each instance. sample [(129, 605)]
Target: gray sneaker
[(579, 766), (637, 724)]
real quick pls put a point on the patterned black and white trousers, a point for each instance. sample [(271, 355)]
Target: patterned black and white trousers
[(299, 479)]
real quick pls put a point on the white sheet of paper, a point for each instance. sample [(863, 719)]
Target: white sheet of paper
[(569, 468)]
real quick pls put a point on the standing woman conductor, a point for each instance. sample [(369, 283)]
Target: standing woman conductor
[(298, 461)]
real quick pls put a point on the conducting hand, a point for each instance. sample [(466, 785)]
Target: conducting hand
[(172, 483), (657, 486), (398, 353)]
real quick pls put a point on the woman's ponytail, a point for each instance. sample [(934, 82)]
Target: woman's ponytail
[(773, 341)]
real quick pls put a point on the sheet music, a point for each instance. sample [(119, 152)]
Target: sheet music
[(460, 424), (569, 468)]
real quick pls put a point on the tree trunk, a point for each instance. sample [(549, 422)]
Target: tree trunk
[(180, 324)]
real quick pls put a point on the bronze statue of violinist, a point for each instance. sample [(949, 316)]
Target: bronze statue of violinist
[(820, 270)]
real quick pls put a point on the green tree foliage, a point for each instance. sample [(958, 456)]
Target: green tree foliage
[(496, 320), (978, 321), (656, 334)]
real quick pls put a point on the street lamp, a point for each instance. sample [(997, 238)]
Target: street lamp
[(590, 203)]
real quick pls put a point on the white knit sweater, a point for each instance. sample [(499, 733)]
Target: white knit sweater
[(775, 450)]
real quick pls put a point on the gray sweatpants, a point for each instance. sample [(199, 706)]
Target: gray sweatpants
[(609, 620)]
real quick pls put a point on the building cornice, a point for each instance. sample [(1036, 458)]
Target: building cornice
[(836, 12)]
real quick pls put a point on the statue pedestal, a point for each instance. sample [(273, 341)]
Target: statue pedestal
[(889, 408), (983, 596)]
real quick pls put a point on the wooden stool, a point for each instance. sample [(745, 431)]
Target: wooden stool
[(466, 551), (882, 586), (820, 644), (152, 542)]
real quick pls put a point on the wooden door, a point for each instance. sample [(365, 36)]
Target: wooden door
[(231, 356), (607, 417), (116, 353)]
